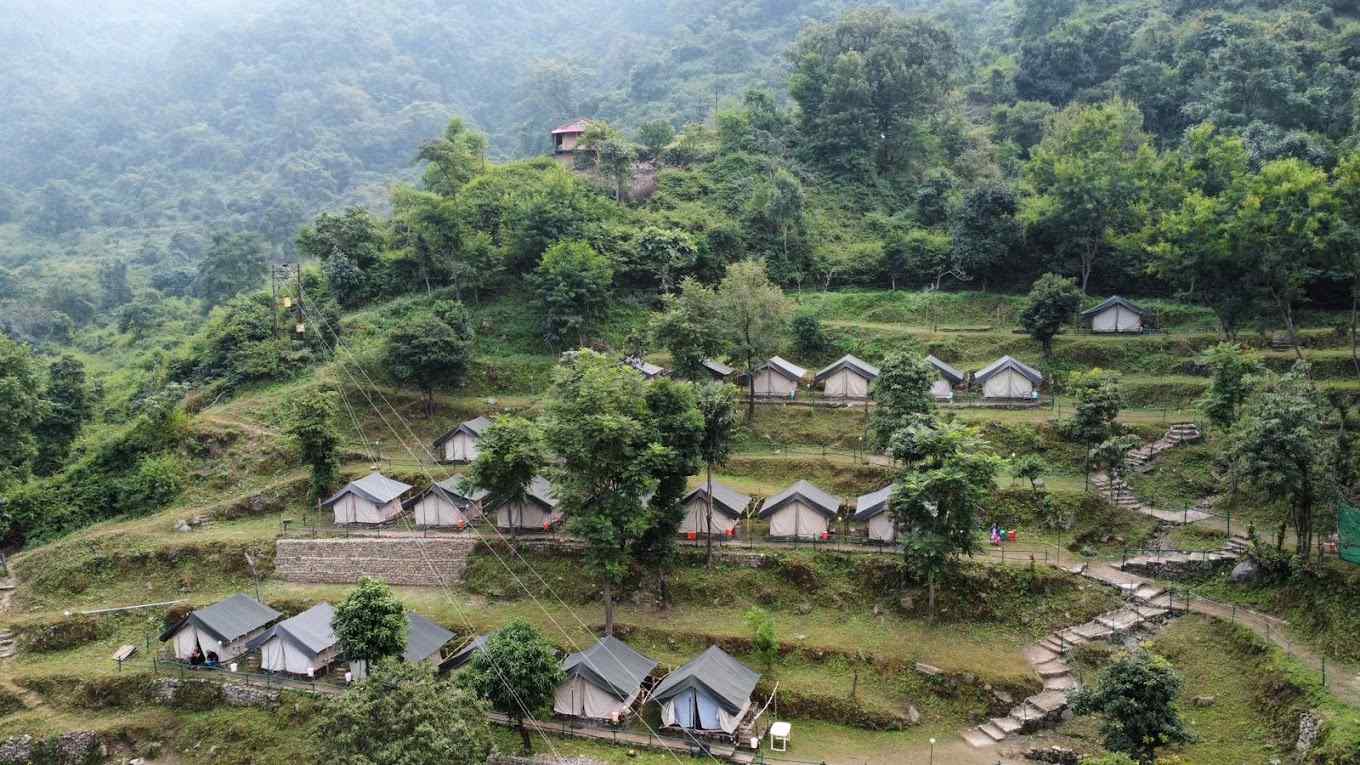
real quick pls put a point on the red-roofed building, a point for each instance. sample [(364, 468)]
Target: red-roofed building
[(565, 138)]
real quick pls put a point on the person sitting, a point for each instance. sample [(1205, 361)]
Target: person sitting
[(196, 658), (213, 659)]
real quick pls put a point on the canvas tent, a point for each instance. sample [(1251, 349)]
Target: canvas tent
[(302, 645), (602, 681), (1007, 378), (872, 509), (848, 377), (778, 378), (224, 628), (1115, 315), (537, 510), (649, 370), (424, 640), (373, 499), (728, 506), (710, 694), (720, 371), (460, 444), (943, 387), (464, 654), (448, 503), (801, 511)]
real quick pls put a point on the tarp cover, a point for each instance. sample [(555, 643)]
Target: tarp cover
[(717, 675), (1349, 520), (424, 638), (229, 619), (612, 665)]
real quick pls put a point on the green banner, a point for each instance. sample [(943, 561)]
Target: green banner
[(1348, 516)]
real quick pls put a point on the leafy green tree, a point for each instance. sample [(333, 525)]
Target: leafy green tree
[(345, 281), (615, 159), (1231, 368), (864, 83), (901, 396), (690, 327), (1032, 468), (717, 404), (764, 644), (676, 421), (72, 299), (1136, 697), (21, 409), (1086, 181), (1111, 455), (431, 350), (313, 424), (1279, 446), (67, 408), (353, 233), (454, 158), (1052, 302), (666, 252), (509, 454), (948, 475), (986, 231), (756, 314), (573, 284), (1346, 241), (655, 136), (775, 214), (234, 263), (517, 671), (370, 623), (423, 720), (1098, 401), (808, 337), (113, 284), (596, 422)]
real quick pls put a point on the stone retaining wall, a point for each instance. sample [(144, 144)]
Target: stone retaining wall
[(426, 561)]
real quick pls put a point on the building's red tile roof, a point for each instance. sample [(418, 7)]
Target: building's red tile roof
[(575, 126)]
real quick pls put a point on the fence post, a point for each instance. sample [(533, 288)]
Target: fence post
[(1324, 671)]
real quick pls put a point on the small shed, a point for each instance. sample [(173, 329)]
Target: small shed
[(711, 694), (602, 681), (224, 628), (778, 378), (1115, 315), (448, 503), (460, 444), (649, 370), (373, 499), (943, 387), (1007, 378), (565, 137), (848, 377), (425, 640), (537, 512), (872, 509), (801, 511), (461, 657), (728, 505), (718, 370), (301, 645)]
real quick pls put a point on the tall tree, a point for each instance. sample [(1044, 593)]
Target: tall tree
[(1086, 180), (67, 408), (423, 720), (313, 424), (668, 252), (1051, 303), (1231, 368), (690, 327), (370, 623), (21, 409), (756, 314), (431, 350), (573, 282), (1098, 401), (901, 396), (518, 672), (353, 233), (676, 421), (509, 454), (1136, 697), (233, 264), (718, 407), (596, 422), (113, 284), (1346, 241), (454, 158)]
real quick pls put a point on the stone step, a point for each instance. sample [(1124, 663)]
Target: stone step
[(1037, 655), (1048, 701), (1027, 713), (992, 731), (977, 739), (1060, 683), (1095, 630), (1054, 646), (1122, 620), (1150, 613), (1053, 669), (1072, 637), (1008, 725)]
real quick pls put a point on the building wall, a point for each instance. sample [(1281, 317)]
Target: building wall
[(1116, 318), (882, 528), (529, 515), (797, 519), (400, 561), (941, 389), (462, 447), (434, 510)]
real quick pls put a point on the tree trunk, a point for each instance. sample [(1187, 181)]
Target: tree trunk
[(608, 608), (1287, 314), (1087, 265), (708, 544), (1355, 325), (751, 388), (930, 596), (524, 737)]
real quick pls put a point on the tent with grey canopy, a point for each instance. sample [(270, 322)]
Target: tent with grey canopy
[(943, 387), (449, 502), (460, 444), (872, 509), (848, 377), (425, 640), (301, 645), (1115, 315), (538, 511), (801, 511), (778, 378), (711, 694), (728, 505), (719, 371), (224, 628), (1007, 378), (602, 681), (371, 500)]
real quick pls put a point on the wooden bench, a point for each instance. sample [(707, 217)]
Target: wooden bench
[(123, 654)]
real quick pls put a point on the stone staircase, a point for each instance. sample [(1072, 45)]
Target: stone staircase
[(1048, 660), (8, 645)]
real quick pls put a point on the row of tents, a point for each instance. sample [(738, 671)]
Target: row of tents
[(801, 511), (711, 694)]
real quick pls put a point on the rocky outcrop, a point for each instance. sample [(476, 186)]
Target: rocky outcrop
[(424, 561)]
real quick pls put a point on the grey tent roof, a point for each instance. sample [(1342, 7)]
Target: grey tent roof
[(718, 368), (464, 654), (853, 363), (951, 374), (1111, 302), (455, 490), (784, 367), (1006, 362), (309, 631), (541, 490), (228, 619), (647, 368), (825, 503), (611, 665), (725, 499), (726, 679), (375, 487), (474, 427), (424, 638), (872, 504)]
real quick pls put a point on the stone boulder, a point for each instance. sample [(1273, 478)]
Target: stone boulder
[(1245, 572)]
